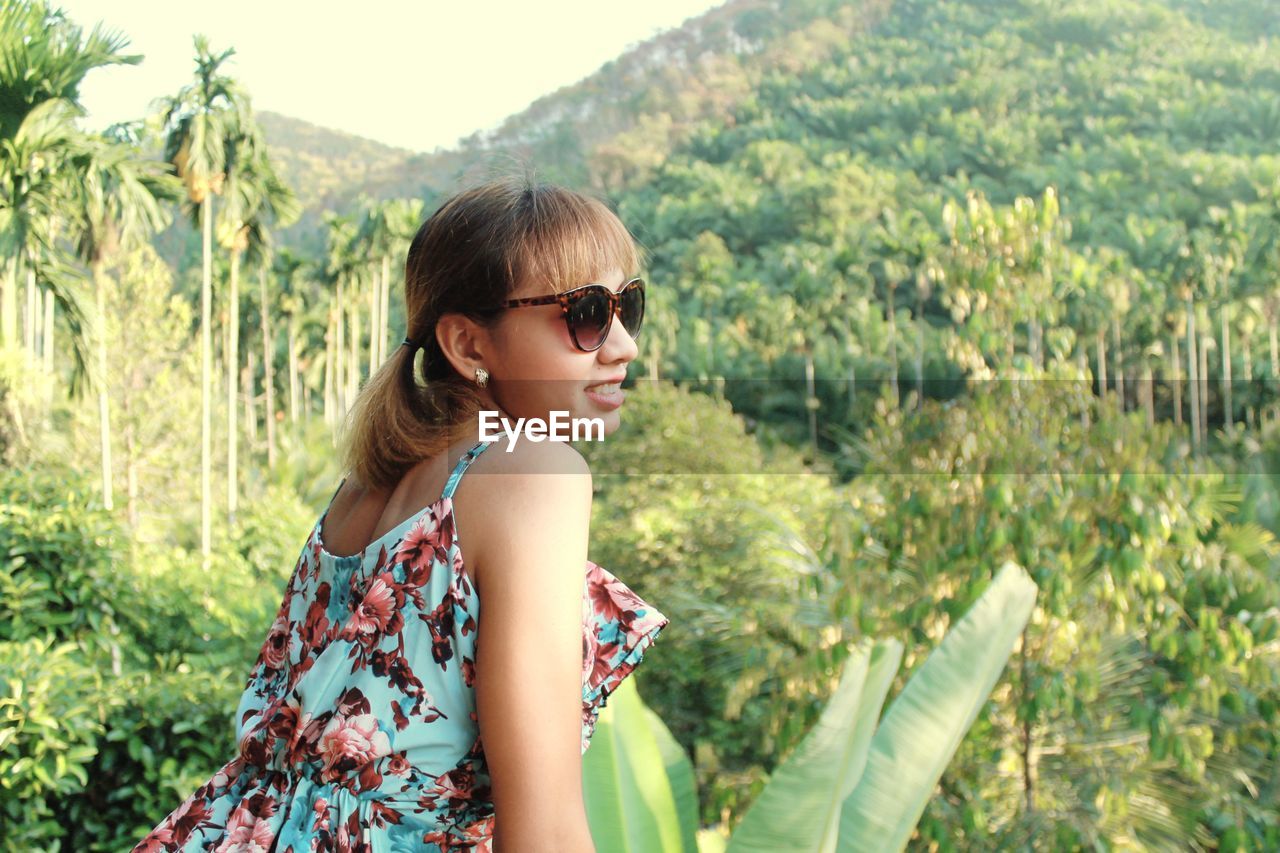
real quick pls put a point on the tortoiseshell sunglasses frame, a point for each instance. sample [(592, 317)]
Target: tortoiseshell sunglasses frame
[(566, 299)]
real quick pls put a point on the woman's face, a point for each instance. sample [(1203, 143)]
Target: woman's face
[(535, 369)]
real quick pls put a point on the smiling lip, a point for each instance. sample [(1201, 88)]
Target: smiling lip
[(611, 400), (616, 380)]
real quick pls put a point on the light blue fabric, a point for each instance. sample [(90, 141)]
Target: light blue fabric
[(357, 728)]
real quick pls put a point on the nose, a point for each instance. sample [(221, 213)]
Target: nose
[(619, 346)]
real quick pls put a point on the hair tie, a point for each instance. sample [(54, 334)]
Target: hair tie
[(410, 344)]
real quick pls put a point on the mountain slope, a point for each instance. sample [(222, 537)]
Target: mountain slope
[(609, 129)]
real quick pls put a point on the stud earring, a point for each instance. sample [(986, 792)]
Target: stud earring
[(482, 377)]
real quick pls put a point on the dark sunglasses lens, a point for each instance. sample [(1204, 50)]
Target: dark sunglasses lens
[(589, 318), (633, 308)]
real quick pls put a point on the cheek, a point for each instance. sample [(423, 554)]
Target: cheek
[(543, 354)]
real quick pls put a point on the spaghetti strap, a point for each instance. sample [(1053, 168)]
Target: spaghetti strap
[(329, 505), (458, 470)]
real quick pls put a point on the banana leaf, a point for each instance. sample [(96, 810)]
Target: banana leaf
[(926, 721), (629, 800), (684, 786), (800, 807)]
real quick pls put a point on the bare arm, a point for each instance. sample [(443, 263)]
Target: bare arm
[(529, 541)]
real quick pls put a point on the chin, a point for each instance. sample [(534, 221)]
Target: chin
[(612, 419)]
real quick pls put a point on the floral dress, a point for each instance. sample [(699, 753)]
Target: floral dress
[(357, 729)]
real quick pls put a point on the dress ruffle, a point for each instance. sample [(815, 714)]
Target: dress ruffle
[(618, 627)]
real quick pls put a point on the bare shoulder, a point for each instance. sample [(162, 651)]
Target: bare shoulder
[(535, 498), (534, 457)]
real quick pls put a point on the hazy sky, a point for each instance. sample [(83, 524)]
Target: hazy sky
[(419, 75)]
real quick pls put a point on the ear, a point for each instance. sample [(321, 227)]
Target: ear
[(464, 342)]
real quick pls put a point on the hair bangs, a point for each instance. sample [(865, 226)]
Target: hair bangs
[(572, 241)]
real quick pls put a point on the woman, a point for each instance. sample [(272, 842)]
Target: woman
[(413, 695)]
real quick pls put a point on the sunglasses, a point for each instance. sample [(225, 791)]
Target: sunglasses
[(588, 311)]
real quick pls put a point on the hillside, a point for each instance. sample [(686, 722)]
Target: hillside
[(605, 131), (319, 163)]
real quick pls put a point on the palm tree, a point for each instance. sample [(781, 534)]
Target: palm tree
[(276, 205), (201, 124), (43, 59), (385, 231), (32, 195), (340, 266), (256, 198), (289, 269), (1230, 241), (117, 206), (371, 234)]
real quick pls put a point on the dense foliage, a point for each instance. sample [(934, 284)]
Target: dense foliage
[(936, 286)]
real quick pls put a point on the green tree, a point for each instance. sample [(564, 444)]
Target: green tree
[(257, 199), (202, 125), (118, 204), (43, 59)]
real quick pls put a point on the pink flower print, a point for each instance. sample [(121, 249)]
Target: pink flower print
[(350, 741), (321, 822), (227, 772), (375, 611), (187, 817), (398, 765), (428, 538), (246, 833), (277, 645), (588, 640), (157, 841)]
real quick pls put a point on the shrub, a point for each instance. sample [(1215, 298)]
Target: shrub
[(50, 724)]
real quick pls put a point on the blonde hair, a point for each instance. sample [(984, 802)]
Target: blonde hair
[(468, 257)]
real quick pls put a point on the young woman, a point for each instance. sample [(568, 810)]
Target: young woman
[(440, 657)]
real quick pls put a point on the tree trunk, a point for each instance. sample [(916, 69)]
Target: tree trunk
[(1082, 363), (1228, 417), (1037, 339), (386, 308), (1175, 378), (1101, 345), (920, 324), (852, 409), (1270, 304), (1192, 374), (1118, 356), (9, 303), (331, 363), (206, 370), (131, 473), (375, 302), (1246, 351), (1271, 333), (293, 369), (353, 364), (340, 355), (250, 402), (233, 385), (1205, 340), (49, 329), (268, 371), (893, 348), (104, 408), (1028, 751), (1148, 395), (29, 328), (811, 399)]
